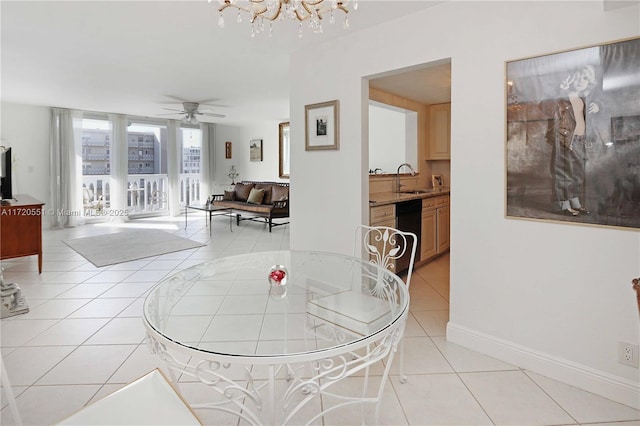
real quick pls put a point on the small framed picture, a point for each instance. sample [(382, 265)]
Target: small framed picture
[(227, 150), (437, 181), (322, 124), (255, 150)]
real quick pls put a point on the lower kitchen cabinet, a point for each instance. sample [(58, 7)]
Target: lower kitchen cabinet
[(443, 228), (435, 227), (429, 232)]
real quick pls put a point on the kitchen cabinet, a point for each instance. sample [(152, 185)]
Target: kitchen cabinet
[(434, 238), (429, 231), (383, 215), (439, 141), (443, 228)]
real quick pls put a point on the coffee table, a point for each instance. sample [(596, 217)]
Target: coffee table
[(264, 350), (212, 210)]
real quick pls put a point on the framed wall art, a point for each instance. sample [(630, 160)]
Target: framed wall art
[(573, 136), (227, 150), (322, 126), (255, 150), (284, 152)]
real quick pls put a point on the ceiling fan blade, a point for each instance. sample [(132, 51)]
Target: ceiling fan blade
[(178, 110), (211, 114)]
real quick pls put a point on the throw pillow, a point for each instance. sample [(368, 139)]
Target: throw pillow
[(267, 192), (255, 196), (279, 193), (229, 196), (242, 191)]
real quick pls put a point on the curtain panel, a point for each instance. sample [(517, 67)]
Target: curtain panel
[(65, 159), (119, 165), (207, 159)]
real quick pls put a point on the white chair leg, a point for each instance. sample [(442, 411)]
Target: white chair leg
[(6, 386), (403, 377)]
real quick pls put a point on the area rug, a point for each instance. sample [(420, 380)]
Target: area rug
[(133, 244)]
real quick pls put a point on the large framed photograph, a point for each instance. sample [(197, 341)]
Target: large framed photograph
[(322, 126), (573, 136)]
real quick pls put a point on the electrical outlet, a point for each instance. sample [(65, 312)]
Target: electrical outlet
[(628, 354)]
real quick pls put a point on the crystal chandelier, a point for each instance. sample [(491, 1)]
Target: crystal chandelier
[(313, 11)]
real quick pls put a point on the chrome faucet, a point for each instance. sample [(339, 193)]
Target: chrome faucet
[(398, 184)]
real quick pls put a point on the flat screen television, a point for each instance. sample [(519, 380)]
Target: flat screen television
[(5, 174)]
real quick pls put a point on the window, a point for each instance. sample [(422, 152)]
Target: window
[(96, 157)]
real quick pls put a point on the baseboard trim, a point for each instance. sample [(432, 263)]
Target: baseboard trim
[(598, 382)]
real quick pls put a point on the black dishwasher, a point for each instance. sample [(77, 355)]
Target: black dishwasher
[(409, 218)]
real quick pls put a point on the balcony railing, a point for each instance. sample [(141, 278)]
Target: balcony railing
[(146, 193)]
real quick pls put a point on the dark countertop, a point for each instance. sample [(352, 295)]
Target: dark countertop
[(385, 198)]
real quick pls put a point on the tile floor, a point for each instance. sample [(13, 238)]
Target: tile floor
[(83, 338)]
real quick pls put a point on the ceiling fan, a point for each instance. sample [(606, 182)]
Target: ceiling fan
[(190, 112)]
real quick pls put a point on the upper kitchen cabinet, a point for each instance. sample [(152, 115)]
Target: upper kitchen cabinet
[(439, 140)]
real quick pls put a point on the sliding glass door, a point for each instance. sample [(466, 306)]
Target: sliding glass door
[(96, 167), (147, 179), (190, 145)]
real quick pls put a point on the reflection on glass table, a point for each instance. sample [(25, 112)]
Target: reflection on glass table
[(234, 326)]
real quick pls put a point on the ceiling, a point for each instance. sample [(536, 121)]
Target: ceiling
[(428, 84), (139, 57)]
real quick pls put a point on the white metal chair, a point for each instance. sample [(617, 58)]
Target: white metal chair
[(385, 246), (8, 392), (150, 400)]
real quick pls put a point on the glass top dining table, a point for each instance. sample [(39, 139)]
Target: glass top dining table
[(276, 309)]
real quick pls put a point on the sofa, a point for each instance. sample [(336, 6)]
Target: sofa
[(258, 200)]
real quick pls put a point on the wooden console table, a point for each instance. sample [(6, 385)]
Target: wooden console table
[(21, 228)]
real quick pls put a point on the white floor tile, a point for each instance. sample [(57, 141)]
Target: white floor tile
[(129, 289), (86, 291), (17, 332), (439, 399), (421, 357), (464, 360), (512, 398), (119, 331), (68, 332), (88, 365), (45, 405), (102, 308), (54, 308), (434, 323), (29, 364), (585, 407)]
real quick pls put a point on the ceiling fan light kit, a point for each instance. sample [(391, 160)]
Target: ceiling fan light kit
[(190, 113), (313, 11)]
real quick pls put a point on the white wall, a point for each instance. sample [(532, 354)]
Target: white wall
[(26, 129), (265, 170), (553, 298)]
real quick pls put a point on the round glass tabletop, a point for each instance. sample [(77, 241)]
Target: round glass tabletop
[(275, 304)]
